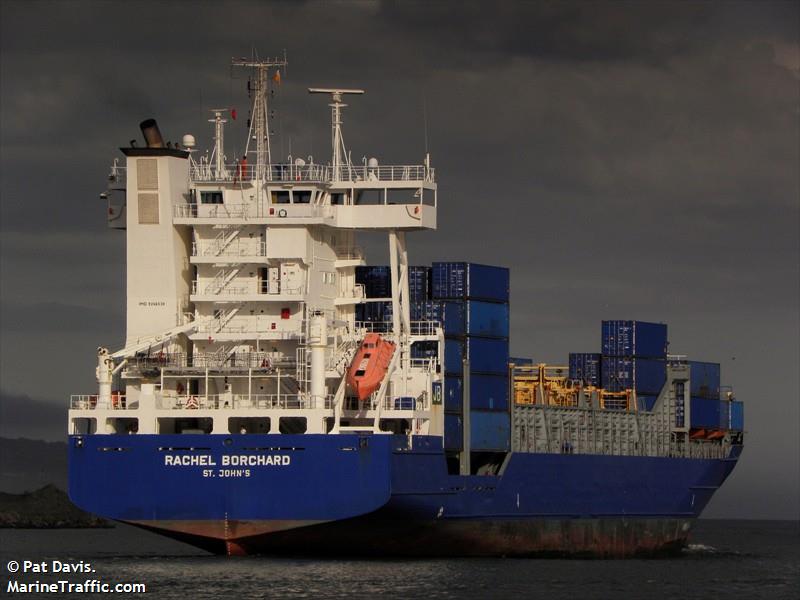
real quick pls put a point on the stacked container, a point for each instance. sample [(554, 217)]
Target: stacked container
[(377, 282), (708, 411), (475, 318), (634, 357), (585, 367)]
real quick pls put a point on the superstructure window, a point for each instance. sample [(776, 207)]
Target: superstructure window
[(301, 197), (210, 197), (280, 197)]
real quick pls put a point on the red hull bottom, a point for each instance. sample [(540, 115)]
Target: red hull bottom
[(364, 536)]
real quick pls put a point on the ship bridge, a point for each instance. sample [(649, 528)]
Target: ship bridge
[(367, 197)]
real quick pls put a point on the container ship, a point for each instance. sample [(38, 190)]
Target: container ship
[(276, 394)]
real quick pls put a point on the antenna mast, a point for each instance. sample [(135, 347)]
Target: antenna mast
[(259, 127), (337, 141)]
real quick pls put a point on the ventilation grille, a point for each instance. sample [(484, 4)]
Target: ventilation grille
[(148, 209), (147, 173)]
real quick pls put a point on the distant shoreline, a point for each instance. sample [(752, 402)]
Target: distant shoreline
[(46, 508)]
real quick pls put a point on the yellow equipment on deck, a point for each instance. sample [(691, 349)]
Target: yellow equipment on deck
[(550, 385)]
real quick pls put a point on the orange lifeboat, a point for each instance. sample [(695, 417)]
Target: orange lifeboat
[(370, 365)]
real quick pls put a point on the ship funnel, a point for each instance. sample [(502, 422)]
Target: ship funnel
[(152, 136)]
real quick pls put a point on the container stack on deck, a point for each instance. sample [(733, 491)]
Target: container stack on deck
[(585, 367), (708, 410), (634, 358), (475, 318)]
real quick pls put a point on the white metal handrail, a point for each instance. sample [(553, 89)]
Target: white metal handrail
[(239, 247), (311, 173), (93, 401), (248, 287)]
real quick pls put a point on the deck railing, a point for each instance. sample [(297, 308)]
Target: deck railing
[(311, 173)]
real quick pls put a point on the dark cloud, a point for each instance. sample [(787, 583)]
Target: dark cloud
[(626, 159)]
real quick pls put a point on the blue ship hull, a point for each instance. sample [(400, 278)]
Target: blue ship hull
[(368, 495)]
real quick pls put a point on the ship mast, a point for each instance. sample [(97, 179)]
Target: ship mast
[(259, 127), (337, 141)]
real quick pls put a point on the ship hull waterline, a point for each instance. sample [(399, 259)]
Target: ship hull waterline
[(383, 495)]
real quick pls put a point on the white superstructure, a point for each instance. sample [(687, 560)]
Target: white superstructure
[(241, 288)]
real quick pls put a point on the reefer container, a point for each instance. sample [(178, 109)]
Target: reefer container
[(486, 355), (486, 392), (705, 377), (469, 281), (489, 430), (645, 375), (634, 338), (585, 367), (475, 318)]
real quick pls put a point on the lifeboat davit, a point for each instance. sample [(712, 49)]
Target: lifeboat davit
[(370, 365)]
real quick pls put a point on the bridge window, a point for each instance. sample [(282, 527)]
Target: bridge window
[(210, 197), (338, 198), (280, 197), (301, 197)]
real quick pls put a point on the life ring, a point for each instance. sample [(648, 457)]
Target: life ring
[(191, 402), (282, 212), (116, 400)]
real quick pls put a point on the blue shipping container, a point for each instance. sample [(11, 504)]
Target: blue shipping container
[(486, 355), (419, 286), (585, 367), (426, 310), (377, 282), (724, 414), (737, 416), (473, 317), (644, 375), (705, 377), (489, 430), (705, 413), (469, 281), (453, 432), (634, 338), (486, 392)]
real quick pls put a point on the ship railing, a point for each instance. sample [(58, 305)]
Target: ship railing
[(237, 172), (384, 173), (424, 364), (215, 211), (248, 287), (677, 359), (238, 402), (406, 403), (92, 401), (421, 328), (238, 247), (202, 360)]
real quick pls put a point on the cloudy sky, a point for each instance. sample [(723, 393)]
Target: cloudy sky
[(626, 160)]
